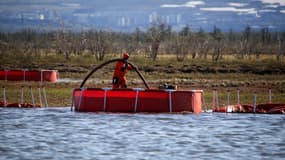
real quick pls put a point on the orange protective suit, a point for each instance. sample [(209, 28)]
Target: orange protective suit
[(119, 76)]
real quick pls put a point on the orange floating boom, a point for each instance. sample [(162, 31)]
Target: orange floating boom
[(259, 108), (137, 100), (19, 105), (29, 75)]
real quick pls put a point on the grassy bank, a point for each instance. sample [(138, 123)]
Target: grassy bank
[(249, 75), (60, 95)]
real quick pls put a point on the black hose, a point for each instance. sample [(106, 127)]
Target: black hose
[(110, 61)]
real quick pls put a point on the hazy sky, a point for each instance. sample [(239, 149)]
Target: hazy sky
[(209, 5), (265, 12)]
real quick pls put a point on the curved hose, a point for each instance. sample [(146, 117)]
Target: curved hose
[(110, 61)]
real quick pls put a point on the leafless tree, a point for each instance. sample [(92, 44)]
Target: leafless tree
[(3, 49), (280, 47), (179, 47), (201, 44), (98, 43), (159, 38), (63, 45), (218, 44), (156, 33)]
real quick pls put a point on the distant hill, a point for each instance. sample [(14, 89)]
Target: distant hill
[(127, 15)]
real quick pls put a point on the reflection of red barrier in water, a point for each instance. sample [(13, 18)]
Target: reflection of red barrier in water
[(260, 108), (18, 105), (29, 75), (137, 100)]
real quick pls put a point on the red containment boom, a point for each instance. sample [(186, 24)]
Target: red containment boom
[(134, 100), (259, 108), (29, 75), (137, 100)]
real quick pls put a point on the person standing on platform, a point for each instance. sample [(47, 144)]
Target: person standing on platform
[(119, 75)]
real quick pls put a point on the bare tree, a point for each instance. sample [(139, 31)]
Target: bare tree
[(98, 43), (156, 34), (159, 38), (265, 35), (155, 38), (63, 44), (245, 42), (218, 44), (78, 43), (183, 43), (3, 48), (179, 47), (131, 44), (201, 43), (280, 48)]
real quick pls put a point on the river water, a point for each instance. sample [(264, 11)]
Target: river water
[(58, 133)]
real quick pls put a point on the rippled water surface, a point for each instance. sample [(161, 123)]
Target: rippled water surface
[(58, 133)]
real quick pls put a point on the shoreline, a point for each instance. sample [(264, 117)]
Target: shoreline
[(60, 94), (248, 76)]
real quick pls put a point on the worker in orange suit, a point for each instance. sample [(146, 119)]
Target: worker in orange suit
[(119, 76)]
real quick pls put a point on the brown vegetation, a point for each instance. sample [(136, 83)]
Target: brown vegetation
[(250, 60)]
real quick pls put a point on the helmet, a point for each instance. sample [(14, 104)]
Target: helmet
[(125, 55)]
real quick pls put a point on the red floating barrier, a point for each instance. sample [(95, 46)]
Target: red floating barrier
[(260, 108), (19, 105), (137, 100), (29, 75)]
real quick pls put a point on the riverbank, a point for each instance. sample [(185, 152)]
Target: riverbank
[(248, 76)]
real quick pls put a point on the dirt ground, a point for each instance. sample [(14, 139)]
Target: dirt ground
[(249, 79)]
